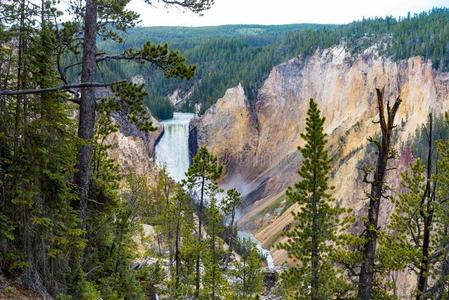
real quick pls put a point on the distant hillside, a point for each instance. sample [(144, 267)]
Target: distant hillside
[(226, 55)]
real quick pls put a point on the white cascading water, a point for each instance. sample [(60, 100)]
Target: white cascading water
[(172, 151)]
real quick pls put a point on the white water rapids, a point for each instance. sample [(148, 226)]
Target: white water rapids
[(172, 151)]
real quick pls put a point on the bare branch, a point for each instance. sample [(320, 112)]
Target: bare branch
[(59, 88)]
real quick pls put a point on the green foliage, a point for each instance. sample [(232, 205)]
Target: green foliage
[(418, 143), (43, 240), (248, 272), (231, 202), (170, 62), (314, 234), (214, 284), (440, 272), (201, 180), (160, 107), (38, 226), (131, 103), (227, 55), (402, 249), (203, 174), (196, 6), (229, 205)]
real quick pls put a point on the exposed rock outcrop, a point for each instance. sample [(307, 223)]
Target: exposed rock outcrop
[(132, 148), (258, 142)]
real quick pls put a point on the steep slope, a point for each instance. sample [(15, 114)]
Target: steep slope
[(133, 149), (258, 141), (226, 55)]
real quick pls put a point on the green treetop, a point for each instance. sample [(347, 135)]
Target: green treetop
[(203, 175), (314, 229)]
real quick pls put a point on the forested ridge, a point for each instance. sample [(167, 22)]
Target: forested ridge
[(228, 55)]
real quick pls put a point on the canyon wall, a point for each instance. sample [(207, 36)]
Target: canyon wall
[(257, 141), (133, 149)]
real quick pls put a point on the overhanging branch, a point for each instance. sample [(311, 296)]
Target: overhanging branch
[(58, 88)]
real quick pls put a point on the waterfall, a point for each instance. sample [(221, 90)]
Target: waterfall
[(172, 150)]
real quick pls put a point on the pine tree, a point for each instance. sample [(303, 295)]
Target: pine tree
[(248, 272), (37, 154), (440, 288), (313, 233), (94, 19), (213, 280), (183, 223), (230, 203), (413, 232), (202, 177)]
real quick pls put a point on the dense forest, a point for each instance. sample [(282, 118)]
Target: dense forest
[(227, 55), (73, 226)]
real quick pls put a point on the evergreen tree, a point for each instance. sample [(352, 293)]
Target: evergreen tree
[(37, 154), (214, 284), (202, 177), (248, 272), (440, 288), (313, 234), (230, 203), (184, 244), (413, 237)]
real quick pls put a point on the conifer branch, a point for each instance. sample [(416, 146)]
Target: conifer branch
[(58, 88)]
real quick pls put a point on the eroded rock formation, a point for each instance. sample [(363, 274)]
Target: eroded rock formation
[(257, 139), (133, 149)]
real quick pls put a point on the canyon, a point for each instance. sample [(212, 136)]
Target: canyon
[(257, 139)]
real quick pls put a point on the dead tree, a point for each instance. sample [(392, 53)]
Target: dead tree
[(385, 153), (426, 212)]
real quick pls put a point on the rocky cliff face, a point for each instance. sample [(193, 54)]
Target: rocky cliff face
[(132, 148), (257, 142)]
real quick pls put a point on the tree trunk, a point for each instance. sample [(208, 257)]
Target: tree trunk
[(231, 228), (377, 186), (87, 109), (230, 237), (426, 212), (244, 277), (20, 81), (214, 262), (177, 262), (315, 284), (200, 223)]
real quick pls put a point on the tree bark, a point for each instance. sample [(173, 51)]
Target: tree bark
[(200, 223), (377, 186), (214, 261), (87, 109), (177, 258), (231, 229), (426, 212)]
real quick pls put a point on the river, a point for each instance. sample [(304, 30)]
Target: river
[(172, 151)]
